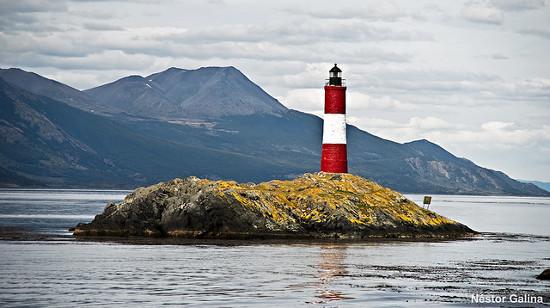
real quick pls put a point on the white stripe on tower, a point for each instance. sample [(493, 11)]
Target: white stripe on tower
[(334, 128)]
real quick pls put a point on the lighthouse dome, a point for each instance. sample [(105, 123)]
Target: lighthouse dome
[(335, 69)]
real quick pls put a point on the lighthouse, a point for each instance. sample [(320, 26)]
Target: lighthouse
[(334, 155)]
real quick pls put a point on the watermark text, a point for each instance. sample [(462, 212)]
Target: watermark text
[(512, 298)]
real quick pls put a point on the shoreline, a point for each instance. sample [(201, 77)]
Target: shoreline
[(19, 234)]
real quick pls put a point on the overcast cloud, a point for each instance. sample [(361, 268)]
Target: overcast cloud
[(471, 76)]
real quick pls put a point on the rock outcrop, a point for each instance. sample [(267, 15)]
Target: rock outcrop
[(321, 205), (545, 275)]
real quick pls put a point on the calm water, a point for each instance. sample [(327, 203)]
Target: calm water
[(62, 272)]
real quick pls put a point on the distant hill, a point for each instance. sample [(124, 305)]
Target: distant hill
[(212, 123), (208, 92), (13, 180), (543, 185)]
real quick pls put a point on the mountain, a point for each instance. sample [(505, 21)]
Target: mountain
[(50, 88), (216, 124), (53, 143), (208, 92)]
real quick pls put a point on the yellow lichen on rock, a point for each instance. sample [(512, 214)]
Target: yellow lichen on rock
[(308, 196)]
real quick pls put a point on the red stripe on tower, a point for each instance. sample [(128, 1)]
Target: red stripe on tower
[(334, 156)]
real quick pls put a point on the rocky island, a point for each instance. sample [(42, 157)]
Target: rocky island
[(320, 205)]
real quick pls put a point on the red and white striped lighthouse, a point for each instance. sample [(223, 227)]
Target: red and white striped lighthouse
[(334, 158)]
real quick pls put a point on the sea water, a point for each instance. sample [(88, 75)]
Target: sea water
[(53, 211), (495, 269)]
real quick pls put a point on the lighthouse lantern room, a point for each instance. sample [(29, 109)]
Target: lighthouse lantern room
[(335, 76)]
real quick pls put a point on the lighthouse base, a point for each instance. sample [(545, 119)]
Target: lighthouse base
[(334, 158)]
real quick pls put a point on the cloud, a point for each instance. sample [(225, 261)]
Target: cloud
[(428, 127), (534, 89), (308, 100), (378, 11), (97, 14), (427, 81), (106, 60), (130, 1), (95, 26), (481, 11), (503, 136), (494, 56), (359, 101), (296, 33), (24, 15), (31, 6), (499, 56), (492, 11), (518, 5), (374, 124), (543, 33), (487, 135), (91, 34), (277, 43), (496, 126), (500, 135), (429, 123), (521, 150), (88, 79)]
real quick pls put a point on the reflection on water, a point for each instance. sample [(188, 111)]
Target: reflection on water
[(331, 268)]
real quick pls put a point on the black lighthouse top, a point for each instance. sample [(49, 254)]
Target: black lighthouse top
[(335, 76)]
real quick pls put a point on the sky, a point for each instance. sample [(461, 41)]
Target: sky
[(471, 76)]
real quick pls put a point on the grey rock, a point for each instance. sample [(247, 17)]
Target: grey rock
[(545, 275)]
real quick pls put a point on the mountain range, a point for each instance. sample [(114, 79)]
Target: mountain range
[(211, 122)]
